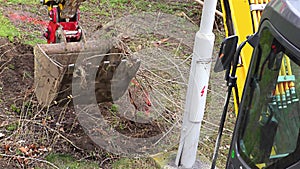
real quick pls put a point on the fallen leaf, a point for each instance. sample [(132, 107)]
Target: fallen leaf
[(23, 150), (44, 123), (43, 148), (32, 146), (61, 129), (6, 147), (26, 160), (157, 43), (164, 40)]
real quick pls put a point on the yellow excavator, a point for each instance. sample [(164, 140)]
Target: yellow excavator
[(261, 56), (69, 61)]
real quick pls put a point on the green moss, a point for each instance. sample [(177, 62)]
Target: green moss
[(143, 163), (12, 127), (67, 161), (35, 41)]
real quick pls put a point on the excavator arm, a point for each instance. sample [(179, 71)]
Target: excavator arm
[(242, 18), (68, 8)]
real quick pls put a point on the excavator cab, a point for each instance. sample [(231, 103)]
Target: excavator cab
[(267, 129)]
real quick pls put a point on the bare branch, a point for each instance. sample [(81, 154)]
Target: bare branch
[(29, 158), (219, 13)]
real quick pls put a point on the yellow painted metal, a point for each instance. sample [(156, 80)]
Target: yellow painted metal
[(67, 7), (225, 18), (291, 84), (282, 91), (242, 24), (261, 166), (286, 88), (245, 22)]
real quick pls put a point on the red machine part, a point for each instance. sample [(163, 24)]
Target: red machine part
[(139, 97), (70, 27)]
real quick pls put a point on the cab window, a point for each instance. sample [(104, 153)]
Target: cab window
[(270, 129)]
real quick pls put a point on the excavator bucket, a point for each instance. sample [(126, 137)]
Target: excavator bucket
[(58, 66)]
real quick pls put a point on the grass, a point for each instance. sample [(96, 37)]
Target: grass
[(12, 127), (7, 29), (67, 161), (142, 163), (123, 7), (14, 108), (104, 8), (27, 2), (32, 38)]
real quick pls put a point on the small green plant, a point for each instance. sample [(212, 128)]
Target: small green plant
[(11, 66), (28, 104), (14, 108), (27, 74), (12, 127), (114, 108), (18, 152)]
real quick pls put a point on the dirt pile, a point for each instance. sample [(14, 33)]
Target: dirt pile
[(16, 71)]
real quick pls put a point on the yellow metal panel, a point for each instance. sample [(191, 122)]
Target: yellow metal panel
[(224, 18), (242, 23), (245, 22)]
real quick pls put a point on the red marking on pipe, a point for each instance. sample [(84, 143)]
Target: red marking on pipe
[(28, 19), (202, 91)]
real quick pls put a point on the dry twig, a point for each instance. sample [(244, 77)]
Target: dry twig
[(219, 13), (29, 158), (57, 132)]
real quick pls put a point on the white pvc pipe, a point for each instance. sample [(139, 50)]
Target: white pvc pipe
[(208, 16), (197, 88)]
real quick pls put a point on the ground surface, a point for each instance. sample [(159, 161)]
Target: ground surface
[(36, 137)]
